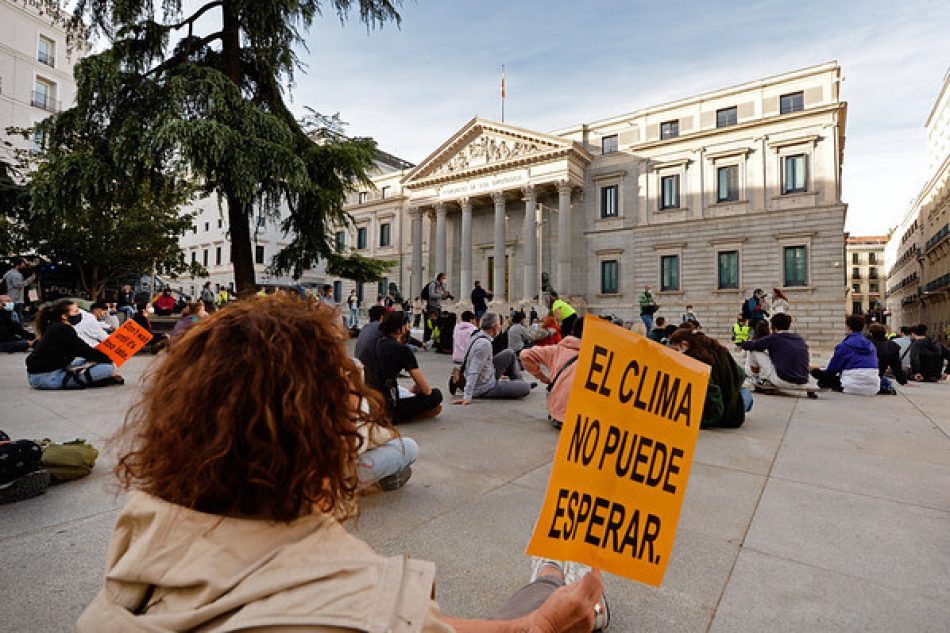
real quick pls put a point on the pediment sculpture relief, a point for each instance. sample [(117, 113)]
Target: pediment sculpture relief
[(484, 150)]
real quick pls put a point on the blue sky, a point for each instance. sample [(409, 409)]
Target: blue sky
[(574, 61)]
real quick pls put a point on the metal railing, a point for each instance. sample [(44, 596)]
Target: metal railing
[(937, 237), (44, 101), (46, 58)]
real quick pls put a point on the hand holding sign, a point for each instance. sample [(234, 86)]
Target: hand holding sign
[(622, 463), (125, 342)]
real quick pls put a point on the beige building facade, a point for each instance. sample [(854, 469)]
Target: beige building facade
[(865, 257), (705, 199), (918, 252), (36, 70)]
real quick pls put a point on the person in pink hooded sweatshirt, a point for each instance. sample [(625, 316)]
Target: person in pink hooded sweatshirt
[(462, 335), (559, 361)]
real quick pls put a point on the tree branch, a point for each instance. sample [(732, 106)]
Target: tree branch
[(194, 16), (190, 48)]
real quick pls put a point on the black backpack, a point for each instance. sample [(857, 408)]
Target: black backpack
[(425, 292)]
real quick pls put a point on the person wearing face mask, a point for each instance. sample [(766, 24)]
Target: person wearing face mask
[(60, 359), (90, 329), (13, 338)]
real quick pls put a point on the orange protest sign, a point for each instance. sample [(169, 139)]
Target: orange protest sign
[(623, 460), (125, 342)]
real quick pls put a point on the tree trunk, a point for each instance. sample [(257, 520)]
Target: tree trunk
[(242, 258)]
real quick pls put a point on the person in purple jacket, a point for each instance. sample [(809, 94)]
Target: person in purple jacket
[(853, 368), (779, 361)]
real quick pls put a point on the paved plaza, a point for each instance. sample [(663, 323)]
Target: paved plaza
[(817, 515)]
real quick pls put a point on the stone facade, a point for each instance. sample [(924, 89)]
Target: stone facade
[(36, 70), (731, 190), (918, 253), (865, 263)]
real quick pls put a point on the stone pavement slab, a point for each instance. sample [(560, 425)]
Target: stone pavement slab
[(832, 514)]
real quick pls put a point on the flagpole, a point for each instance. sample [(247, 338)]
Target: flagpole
[(502, 93)]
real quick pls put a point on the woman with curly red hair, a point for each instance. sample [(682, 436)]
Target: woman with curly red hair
[(241, 462)]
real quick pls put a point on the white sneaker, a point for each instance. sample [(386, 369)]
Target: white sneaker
[(537, 563)]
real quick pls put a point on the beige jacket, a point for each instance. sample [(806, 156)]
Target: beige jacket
[(174, 569)]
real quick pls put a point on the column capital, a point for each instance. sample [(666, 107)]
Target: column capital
[(465, 202), (498, 197), (529, 191), (564, 187), (415, 213), (440, 208)]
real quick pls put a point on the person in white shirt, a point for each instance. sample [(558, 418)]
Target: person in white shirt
[(109, 321), (90, 329)]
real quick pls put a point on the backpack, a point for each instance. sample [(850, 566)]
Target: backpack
[(747, 307), (931, 363), (425, 292), (69, 460)]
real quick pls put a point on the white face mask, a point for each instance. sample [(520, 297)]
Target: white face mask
[(151, 310), (8, 306)]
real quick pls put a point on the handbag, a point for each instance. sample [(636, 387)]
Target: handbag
[(69, 460), (457, 378)]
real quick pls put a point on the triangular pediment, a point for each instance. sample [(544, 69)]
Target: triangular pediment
[(482, 145)]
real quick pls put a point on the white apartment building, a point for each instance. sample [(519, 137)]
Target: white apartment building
[(865, 256), (36, 71), (706, 199)]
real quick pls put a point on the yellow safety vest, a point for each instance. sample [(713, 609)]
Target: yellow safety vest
[(741, 333)]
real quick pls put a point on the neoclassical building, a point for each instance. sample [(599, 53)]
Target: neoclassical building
[(705, 199)]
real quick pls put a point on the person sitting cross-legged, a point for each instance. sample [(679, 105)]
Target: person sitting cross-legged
[(464, 329), (389, 355), (853, 368), (13, 338), (491, 376), (888, 358), (779, 361)]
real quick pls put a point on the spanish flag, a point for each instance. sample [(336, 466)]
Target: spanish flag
[(502, 81)]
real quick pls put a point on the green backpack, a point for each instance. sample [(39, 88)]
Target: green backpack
[(69, 460)]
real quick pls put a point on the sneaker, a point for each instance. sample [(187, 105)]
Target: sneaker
[(396, 480), (573, 572), (29, 485), (538, 563), (534, 385), (813, 395)]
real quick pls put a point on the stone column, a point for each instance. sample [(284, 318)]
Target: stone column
[(501, 293), (415, 216), (439, 238), (530, 251), (465, 289), (564, 246)]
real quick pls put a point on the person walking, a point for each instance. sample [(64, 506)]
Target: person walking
[(208, 297), (779, 303), (648, 307), (480, 298)]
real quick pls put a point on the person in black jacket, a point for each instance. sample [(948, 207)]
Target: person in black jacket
[(13, 338), (60, 359), (888, 357)]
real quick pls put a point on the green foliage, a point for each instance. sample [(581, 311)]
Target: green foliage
[(172, 101), (358, 268), (14, 204)]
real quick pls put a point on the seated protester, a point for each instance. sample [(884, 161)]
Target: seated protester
[(443, 343), (90, 329), (903, 341), (727, 401), (107, 320), (550, 333), (483, 371), (142, 320), (462, 335), (563, 312), (658, 333), (193, 312), (431, 327), (60, 359), (519, 336), (559, 362), (13, 338), (888, 357), (853, 368), (370, 331), (126, 303), (500, 342), (245, 496), (926, 356), (382, 363), (165, 303), (21, 470), (779, 360)]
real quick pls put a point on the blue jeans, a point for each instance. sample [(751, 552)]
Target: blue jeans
[(746, 398), (390, 458), (57, 379), (128, 311), (647, 321), (354, 317), (886, 384)]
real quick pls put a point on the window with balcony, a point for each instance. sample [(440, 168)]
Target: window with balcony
[(44, 95), (670, 192), (855, 273), (794, 180), (875, 288), (46, 52), (609, 203), (670, 129), (727, 185), (727, 116), (856, 288), (872, 273), (608, 144), (792, 102)]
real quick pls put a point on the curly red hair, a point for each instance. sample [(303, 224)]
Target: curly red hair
[(251, 415)]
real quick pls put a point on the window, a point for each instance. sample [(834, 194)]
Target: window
[(363, 197), (383, 287), (44, 95), (194, 257), (359, 293), (259, 254), (46, 54), (855, 258), (385, 234), (340, 240), (856, 307), (337, 291), (872, 258), (39, 142), (669, 273), (608, 144), (217, 255), (874, 288), (794, 102), (194, 229), (261, 221), (207, 226), (872, 272), (794, 174), (855, 273), (361, 238), (670, 192), (204, 258), (220, 223), (796, 266), (670, 129), (609, 207), (384, 193), (608, 277), (727, 188), (728, 267), (727, 116), (855, 287)]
